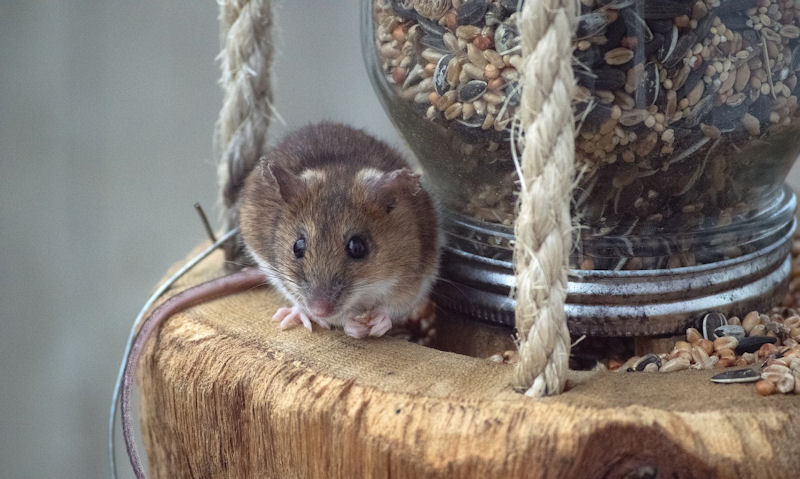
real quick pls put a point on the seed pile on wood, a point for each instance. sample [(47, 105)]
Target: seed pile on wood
[(765, 346), (755, 339), (761, 348), (686, 111)]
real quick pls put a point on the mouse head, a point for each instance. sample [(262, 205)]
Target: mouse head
[(342, 241)]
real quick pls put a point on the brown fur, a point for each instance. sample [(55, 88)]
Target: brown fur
[(399, 221)]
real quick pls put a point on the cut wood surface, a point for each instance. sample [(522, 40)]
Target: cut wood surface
[(225, 393)]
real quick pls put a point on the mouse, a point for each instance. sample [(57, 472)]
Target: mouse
[(335, 220), (338, 222)]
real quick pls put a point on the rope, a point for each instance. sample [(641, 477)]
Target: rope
[(543, 226), (240, 136)]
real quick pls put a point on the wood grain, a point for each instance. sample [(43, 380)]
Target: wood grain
[(227, 394)]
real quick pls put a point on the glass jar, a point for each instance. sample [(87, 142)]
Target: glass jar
[(687, 125)]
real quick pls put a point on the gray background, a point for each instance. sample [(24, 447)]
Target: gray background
[(106, 115)]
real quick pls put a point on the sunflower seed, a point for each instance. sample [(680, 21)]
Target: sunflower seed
[(751, 344), (471, 12), (645, 360), (403, 9), (665, 9), (737, 376), (711, 322), (506, 37), (434, 41), (733, 330), (608, 79), (732, 6), (727, 118), (682, 47), (440, 83), (661, 26), (472, 90)]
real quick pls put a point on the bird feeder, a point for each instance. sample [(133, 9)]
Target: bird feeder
[(686, 127)]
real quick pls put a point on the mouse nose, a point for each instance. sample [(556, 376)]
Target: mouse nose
[(321, 308)]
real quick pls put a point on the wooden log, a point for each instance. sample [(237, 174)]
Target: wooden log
[(227, 394)]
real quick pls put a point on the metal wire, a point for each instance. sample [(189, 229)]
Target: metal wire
[(112, 419), (206, 224)]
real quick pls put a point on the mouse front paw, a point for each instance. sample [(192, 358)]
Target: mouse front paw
[(295, 316), (373, 323)]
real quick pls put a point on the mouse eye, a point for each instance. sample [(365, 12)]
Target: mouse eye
[(299, 247), (357, 247)]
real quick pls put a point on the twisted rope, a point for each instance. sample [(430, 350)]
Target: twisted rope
[(240, 136), (543, 227)]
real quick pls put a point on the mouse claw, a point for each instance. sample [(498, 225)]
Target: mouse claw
[(289, 321), (280, 314), (306, 322), (321, 322), (290, 317)]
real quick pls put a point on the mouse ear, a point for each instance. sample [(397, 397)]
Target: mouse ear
[(289, 184), (387, 188)]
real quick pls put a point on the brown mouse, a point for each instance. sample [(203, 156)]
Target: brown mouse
[(339, 224)]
